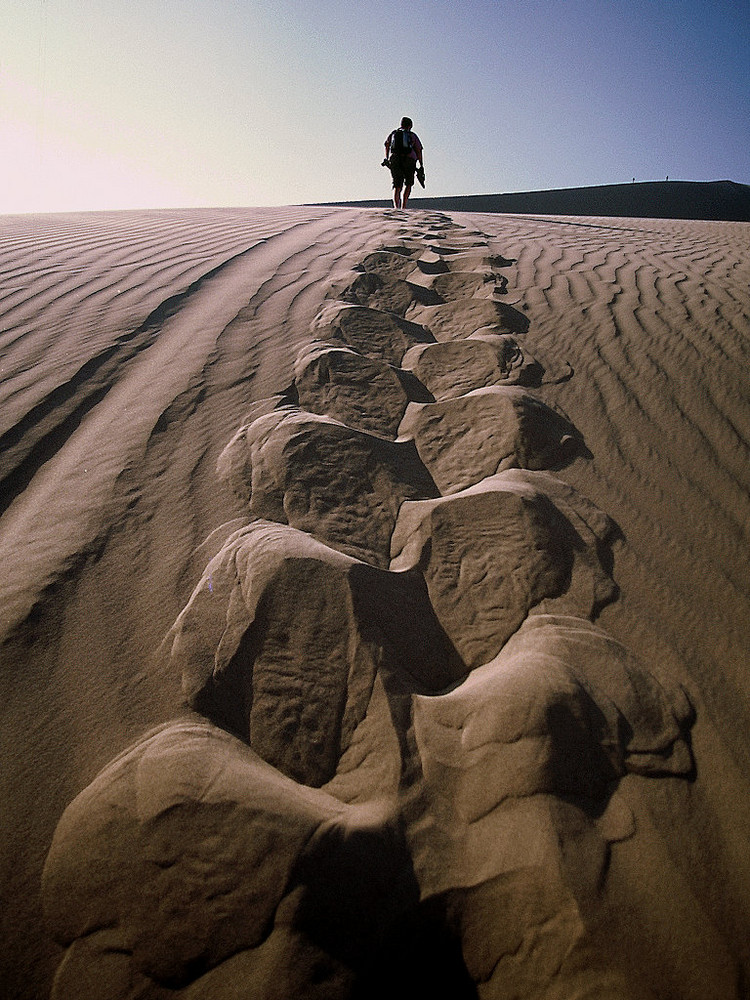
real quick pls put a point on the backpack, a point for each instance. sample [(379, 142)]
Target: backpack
[(400, 144)]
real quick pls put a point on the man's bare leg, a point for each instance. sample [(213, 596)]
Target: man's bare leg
[(407, 192), (397, 197)]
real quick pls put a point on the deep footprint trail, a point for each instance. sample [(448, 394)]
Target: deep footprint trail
[(407, 733)]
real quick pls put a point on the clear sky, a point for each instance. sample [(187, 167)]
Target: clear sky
[(181, 103)]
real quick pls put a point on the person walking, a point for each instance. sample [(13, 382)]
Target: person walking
[(403, 151)]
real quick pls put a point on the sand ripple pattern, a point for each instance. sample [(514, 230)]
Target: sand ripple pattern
[(403, 768)]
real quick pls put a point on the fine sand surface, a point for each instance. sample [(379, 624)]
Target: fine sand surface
[(375, 610)]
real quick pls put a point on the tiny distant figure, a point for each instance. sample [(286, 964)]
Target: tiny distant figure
[(403, 151)]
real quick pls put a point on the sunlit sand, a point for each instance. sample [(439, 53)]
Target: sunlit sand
[(375, 605)]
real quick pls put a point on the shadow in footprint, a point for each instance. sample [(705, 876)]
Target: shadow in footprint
[(421, 956)]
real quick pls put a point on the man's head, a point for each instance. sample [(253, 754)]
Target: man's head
[(406, 123)]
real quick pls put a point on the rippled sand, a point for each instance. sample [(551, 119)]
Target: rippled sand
[(588, 564)]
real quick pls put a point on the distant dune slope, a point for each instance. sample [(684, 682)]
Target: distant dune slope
[(135, 351), (708, 200)]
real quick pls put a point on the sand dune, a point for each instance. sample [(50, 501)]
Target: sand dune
[(710, 200), (376, 605)]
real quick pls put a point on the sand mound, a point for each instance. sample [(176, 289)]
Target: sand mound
[(386, 293), (464, 440), (163, 834), (493, 552), (462, 317), (483, 359), (283, 637), (468, 284), (373, 332), (342, 485), (336, 664), (365, 393)]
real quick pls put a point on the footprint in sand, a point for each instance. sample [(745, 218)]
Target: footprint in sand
[(342, 485), (483, 359), (465, 439), (408, 735), (365, 393), (374, 333)]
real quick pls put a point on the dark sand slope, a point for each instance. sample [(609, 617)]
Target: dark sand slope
[(710, 200), (414, 656)]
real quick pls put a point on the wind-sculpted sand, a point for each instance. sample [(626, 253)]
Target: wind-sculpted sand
[(375, 617)]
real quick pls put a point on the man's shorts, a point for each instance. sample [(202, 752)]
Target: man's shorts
[(402, 171)]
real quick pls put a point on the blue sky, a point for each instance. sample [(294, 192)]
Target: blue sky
[(180, 103)]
